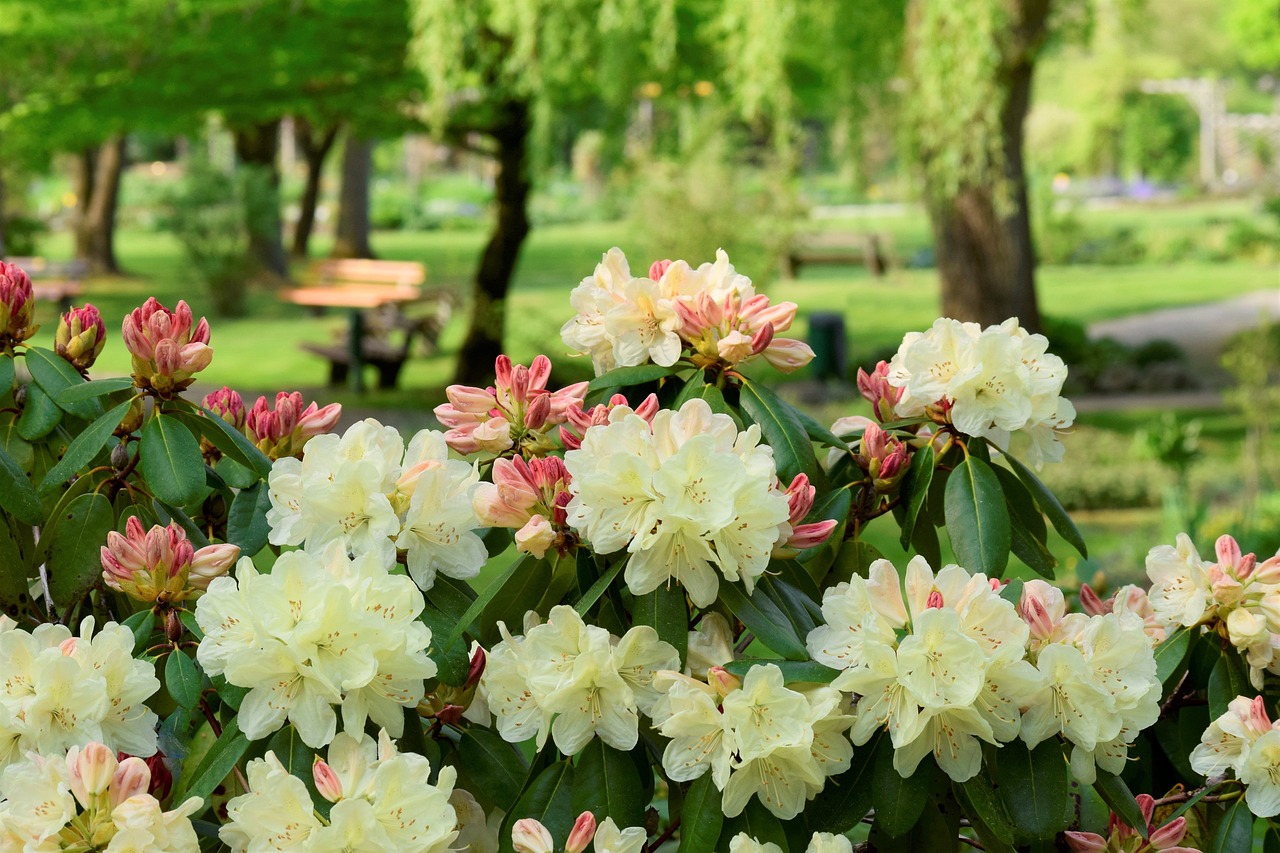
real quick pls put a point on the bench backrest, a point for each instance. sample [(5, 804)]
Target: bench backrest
[(358, 271), (38, 268)]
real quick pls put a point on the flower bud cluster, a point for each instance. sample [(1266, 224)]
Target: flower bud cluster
[(368, 492), (530, 498), (756, 736), (80, 337), (320, 630), (712, 312), (17, 306), (517, 412), (160, 565), (89, 800), (573, 681), (529, 835), (380, 797), (1121, 836)]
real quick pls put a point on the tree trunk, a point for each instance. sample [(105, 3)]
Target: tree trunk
[(982, 232), (315, 149), (97, 200), (256, 147), (483, 342), (351, 236)]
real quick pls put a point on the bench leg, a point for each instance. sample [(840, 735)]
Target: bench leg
[(337, 372), (389, 374)]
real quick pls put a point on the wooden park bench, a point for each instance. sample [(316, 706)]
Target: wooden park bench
[(837, 248), (390, 313), (54, 281)]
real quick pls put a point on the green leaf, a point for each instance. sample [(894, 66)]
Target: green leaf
[(986, 811), (75, 561), (141, 624), (701, 817), (624, 377), (80, 452), (592, 595), (1116, 794), (497, 769), (1171, 653), (230, 441), (1227, 681), (606, 781), (898, 802), (166, 513), (183, 678), (793, 671), (765, 620), (1028, 529), (800, 608), (15, 586), (697, 389), (977, 519), (216, 765), (188, 620), (6, 374), (758, 823), (17, 495), (817, 432), (666, 611), (855, 558), (845, 800), (522, 586), (230, 694), (296, 756), (94, 388), (549, 800), (39, 414), (915, 490), (1050, 505), (1235, 833), (247, 520), (55, 376), (782, 430), (452, 661), (1034, 786), (171, 461)]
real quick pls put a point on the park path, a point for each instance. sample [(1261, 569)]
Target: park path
[(1201, 330)]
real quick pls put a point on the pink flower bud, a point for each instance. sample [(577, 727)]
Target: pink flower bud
[(502, 370), (285, 431), (761, 339), (584, 829), (539, 409), (1085, 842), (1091, 603), (17, 306), (90, 770), (800, 496), (1169, 835), (476, 669), (518, 389), (148, 566), (934, 601), (132, 777), (327, 782), (894, 464), (530, 836), (735, 347), (788, 355), (658, 269), (166, 351), (1228, 550), (211, 561), (876, 389), (80, 337), (536, 537), (723, 681), (1034, 612), (539, 373), (805, 536), (1268, 571), (648, 407), (228, 405)]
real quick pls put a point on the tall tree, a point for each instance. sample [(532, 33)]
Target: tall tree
[(971, 64), (97, 196), (315, 144), (257, 147), (351, 236)]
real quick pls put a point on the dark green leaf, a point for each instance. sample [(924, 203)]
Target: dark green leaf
[(1235, 833), (1116, 794), (452, 662), (915, 490), (697, 389), (6, 374), (75, 561), (782, 430), (1032, 551), (855, 558), (898, 802), (937, 830), (165, 513), (666, 611), (977, 519), (607, 782), (758, 823), (701, 817), (845, 800), (549, 800), (296, 756), (183, 679), (986, 811), (1050, 505), (495, 766), (924, 539), (1227, 681), (141, 624), (17, 495), (231, 442), (800, 608), (1171, 653), (95, 388), (39, 414), (171, 461), (765, 620), (55, 376), (624, 377), (507, 598), (188, 620), (793, 671), (1028, 532), (15, 586), (451, 595), (592, 595), (80, 452), (231, 694), (817, 432), (1034, 786), (247, 521), (216, 765)]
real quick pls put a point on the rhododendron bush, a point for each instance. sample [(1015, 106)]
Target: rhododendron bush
[(627, 614)]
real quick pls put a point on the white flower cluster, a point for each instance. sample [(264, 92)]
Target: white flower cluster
[(686, 497), (1237, 594), (367, 491), (757, 737), (319, 630), (58, 691), (1098, 680), (589, 682), (88, 799), (1246, 742), (941, 671), (381, 801), (986, 382), (821, 842)]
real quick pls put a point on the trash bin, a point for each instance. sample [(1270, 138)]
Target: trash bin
[(827, 338)]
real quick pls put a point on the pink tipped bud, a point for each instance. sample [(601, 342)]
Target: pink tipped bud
[(80, 337), (1268, 571), (648, 408), (569, 439), (800, 495), (539, 373), (658, 269), (212, 561), (876, 389), (518, 389), (17, 306), (761, 339), (584, 829), (1169, 835), (536, 537), (476, 668), (723, 681), (1091, 603), (788, 355), (1228, 550), (228, 405), (1034, 614), (90, 770), (811, 535), (934, 601), (132, 777), (530, 836), (894, 464), (1085, 842), (167, 352), (1258, 714), (327, 782), (502, 370), (535, 417)]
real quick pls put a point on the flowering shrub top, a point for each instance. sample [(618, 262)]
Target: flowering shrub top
[(613, 614)]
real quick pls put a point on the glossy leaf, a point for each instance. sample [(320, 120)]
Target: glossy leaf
[(898, 802), (17, 495), (855, 558), (977, 519), (6, 374), (452, 661), (1235, 832), (625, 377), (1034, 786), (75, 561), (765, 620), (171, 460), (758, 823), (39, 414), (915, 490), (94, 388), (1116, 794), (781, 429), (142, 624), (548, 799), (216, 765), (495, 766), (231, 442), (83, 448), (986, 811), (1171, 653), (607, 782), (666, 611), (1227, 681), (1050, 505), (183, 679), (597, 588), (15, 586), (247, 520), (845, 800), (507, 598), (55, 376), (819, 433), (793, 671), (702, 816)]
